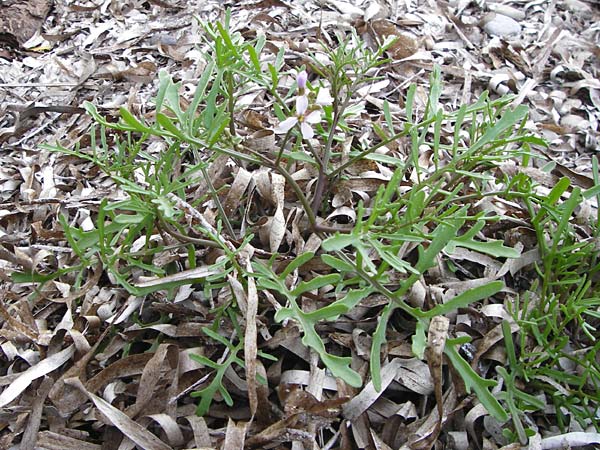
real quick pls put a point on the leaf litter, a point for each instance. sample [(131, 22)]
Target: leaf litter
[(86, 365)]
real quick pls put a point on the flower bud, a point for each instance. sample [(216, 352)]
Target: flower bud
[(301, 79)]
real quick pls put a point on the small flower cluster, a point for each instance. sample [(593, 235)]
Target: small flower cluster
[(306, 114)]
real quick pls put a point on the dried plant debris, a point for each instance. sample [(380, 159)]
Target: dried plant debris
[(407, 298)]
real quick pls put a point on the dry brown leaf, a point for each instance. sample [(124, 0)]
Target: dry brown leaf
[(436, 341), (200, 430), (128, 427), (28, 441), (49, 440), (21, 20), (404, 45), (236, 192), (184, 275), (250, 336), (414, 374), (151, 375), (424, 436), (169, 426), (235, 435), (44, 367), (365, 398), (277, 229), (494, 336)]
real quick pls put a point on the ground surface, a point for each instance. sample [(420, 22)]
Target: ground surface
[(56, 56)]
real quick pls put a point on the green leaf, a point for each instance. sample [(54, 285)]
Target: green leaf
[(408, 102), (226, 396), (133, 122), (508, 120), (341, 306), (337, 263), (199, 94), (35, 277), (284, 314), (131, 186), (592, 192), (315, 283), (274, 76), (129, 219), (558, 190), (273, 285), (216, 336), (165, 207), (419, 340), (442, 234), (254, 57), (466, 298), (416, 204), (301, 156), (387, 254), (492, 247), (298, 262), (474, 382), (378, 341), (167, 124), (329, 312), (338, 365), (173, 99), (204, 360), (164, 79), (338, 242), (227, 39)]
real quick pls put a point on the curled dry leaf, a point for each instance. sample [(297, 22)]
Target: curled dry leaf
[(179, 277), (365, 398), (235, 435), (169, 426), (236, 192), (250, 336), (278, 223), (277, 229), (436, 341), (380, 29)]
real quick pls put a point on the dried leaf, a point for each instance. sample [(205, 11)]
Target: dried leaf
[(44, 367), (235, 435), (436, 341), (277, 230), (250, 345), (128, 427)]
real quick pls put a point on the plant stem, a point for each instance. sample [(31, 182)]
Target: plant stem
[(231, 102)]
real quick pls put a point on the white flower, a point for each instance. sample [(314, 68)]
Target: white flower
[(303, 117), (324, 97)]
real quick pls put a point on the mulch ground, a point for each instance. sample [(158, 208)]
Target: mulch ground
[(56, 55)]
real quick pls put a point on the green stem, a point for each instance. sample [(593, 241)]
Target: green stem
[(231, 102)]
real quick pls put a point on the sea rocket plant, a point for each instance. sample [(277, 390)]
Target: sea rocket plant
[(306, 114)]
